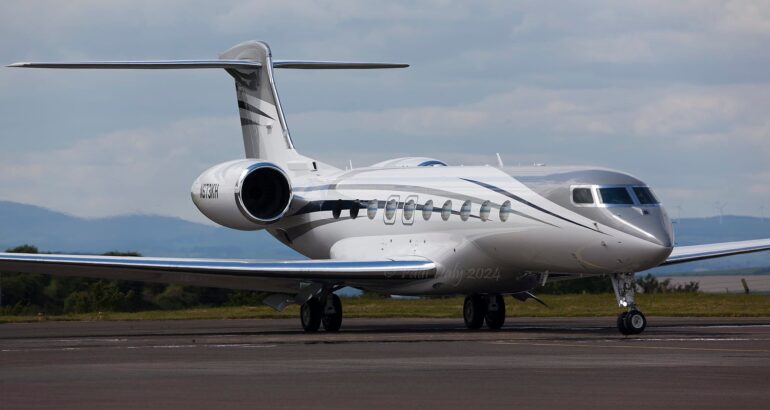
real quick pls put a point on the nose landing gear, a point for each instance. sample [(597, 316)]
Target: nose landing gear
[(633, 321)]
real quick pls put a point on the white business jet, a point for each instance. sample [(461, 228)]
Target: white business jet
[(407, 226)]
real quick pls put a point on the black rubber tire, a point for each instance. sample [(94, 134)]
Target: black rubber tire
[(495, 318), (474, 309), (332, 321), (622, 324), (310, 315), (635, 322)]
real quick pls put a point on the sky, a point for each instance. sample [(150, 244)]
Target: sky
[(676, 93)]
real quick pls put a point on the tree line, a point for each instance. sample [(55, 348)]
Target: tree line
[(35, 293)]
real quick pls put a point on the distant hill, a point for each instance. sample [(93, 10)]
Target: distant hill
[(167, 236), (150, 235)]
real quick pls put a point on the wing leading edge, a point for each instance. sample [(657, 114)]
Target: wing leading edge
[(224, 273), (682, 254)]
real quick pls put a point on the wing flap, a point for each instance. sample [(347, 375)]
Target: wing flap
[(682, 254), (225, 273)]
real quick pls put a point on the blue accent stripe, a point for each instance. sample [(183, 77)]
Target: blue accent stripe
[(431, 163)]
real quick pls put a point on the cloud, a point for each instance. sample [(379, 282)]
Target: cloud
[(132, 171), (675, 92)]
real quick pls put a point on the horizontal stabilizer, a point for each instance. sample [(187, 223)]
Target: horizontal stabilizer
[(165, 64), (333, 65), (682, 254), (197, 64)]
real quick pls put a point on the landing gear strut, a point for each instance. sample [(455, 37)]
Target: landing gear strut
[(478, 309), (326, 310), (633, 321)]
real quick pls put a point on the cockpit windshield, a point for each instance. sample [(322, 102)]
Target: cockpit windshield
[(645, 196), (615, 196)]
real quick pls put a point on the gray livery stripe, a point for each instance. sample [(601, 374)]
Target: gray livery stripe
[(250, 108), (530, 204), (246, 121)]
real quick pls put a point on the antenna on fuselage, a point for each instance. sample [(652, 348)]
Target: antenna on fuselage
[(499, 160)]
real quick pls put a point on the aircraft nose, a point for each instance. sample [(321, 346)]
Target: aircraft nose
[(650, 223), (663, 234)]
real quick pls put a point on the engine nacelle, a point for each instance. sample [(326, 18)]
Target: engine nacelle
[(244, 194)]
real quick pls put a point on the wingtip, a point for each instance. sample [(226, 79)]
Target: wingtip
[(17, 64)]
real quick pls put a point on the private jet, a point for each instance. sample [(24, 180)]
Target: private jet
[(409, 226)]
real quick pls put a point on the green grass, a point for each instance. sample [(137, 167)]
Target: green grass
[(682, 304)]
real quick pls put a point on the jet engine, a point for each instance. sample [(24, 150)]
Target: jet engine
[(244, 194)]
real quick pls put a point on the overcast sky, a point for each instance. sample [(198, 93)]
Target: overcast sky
[(675, 92)]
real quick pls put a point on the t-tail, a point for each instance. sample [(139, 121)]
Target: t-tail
[(265, 132)]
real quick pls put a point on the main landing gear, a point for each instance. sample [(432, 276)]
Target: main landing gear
[(326, 310), (633, 321), (479, 309)]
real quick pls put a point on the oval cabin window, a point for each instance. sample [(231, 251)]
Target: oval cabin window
[(505, 211), (390, 209), (427, 210), (484, 211), (371, 209), (446, 210), (409, 208), (465, 210)]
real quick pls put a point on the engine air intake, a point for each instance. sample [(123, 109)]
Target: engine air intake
[(264, 193)]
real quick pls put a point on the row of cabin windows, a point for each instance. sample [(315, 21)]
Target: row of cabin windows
[(428, 209)]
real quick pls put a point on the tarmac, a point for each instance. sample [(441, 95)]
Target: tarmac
[(386, 363)]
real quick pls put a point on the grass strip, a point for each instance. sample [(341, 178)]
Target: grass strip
[(672, 304)]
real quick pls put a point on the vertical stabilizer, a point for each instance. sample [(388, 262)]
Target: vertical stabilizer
[(265, 134)]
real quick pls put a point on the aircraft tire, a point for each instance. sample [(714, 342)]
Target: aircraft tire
[(635, 322), (496, 319), (310, 315), (332, 321), (622, 324), (474, 309)]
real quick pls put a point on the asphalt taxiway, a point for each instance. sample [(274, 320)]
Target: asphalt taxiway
[(386, 363)]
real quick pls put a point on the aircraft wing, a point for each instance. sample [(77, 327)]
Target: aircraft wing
[(251, 274), (682, 254)]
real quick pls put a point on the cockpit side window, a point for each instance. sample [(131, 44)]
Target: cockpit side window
[(582, 196), (645, 196), (615, 196)]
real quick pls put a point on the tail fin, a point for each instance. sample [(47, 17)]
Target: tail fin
[(265, 133)]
